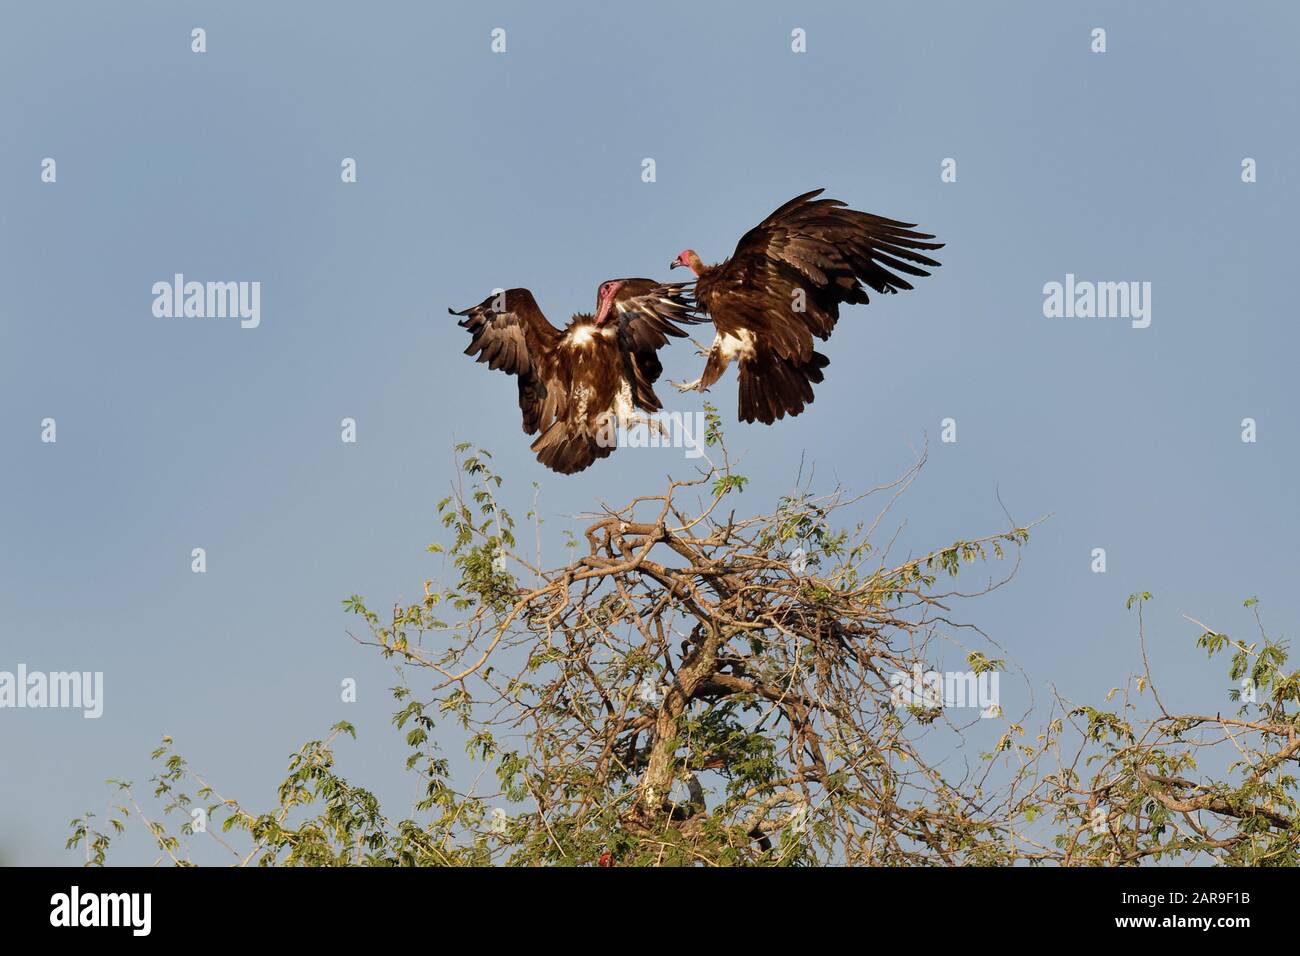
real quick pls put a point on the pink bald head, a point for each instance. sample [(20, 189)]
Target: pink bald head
[(605, 299), (689, 259)]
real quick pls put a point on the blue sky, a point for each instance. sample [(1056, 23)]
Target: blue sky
[(478, 170)]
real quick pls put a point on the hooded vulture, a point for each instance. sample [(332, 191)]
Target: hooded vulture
[(784, 284), (578, 385)]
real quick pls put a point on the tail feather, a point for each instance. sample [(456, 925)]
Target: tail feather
[(561, 449), (772, 387)]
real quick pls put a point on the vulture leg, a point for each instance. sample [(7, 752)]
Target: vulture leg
[(653, 425), (725, 347)]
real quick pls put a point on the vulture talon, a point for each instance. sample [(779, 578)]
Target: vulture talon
[(653, 425), (701, 350)]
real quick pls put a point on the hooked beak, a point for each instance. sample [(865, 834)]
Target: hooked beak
[(674, 264)]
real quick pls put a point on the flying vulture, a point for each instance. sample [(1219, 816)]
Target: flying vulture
[(784, 284), (578, 385)]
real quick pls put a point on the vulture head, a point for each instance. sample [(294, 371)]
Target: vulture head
[(605, 299), (688, 258)]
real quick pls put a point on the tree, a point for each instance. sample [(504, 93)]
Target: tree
[(694, 687)]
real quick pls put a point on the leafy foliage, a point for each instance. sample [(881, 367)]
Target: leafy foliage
[(693, 689)]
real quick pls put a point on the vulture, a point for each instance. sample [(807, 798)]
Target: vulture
[(784, 285), (578, 385)]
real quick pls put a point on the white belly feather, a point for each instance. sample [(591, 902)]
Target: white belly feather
[(623, 403), (733, 346)]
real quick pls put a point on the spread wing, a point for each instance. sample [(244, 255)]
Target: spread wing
[(649, 313), (790, 273), (509, 332)]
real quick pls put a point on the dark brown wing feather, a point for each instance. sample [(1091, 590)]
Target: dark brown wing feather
[(649, 313), (785, 283), (510, 333)]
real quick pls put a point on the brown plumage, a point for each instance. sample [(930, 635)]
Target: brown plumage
[(784, 285), (579, 384)]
